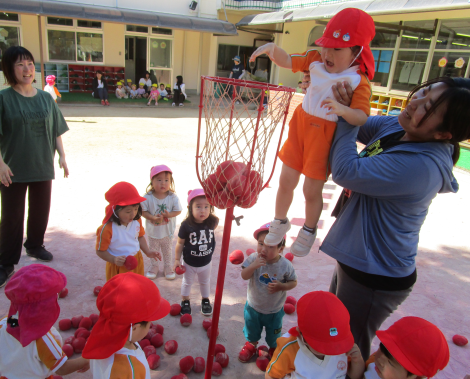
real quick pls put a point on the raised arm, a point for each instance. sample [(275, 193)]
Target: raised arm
[(275, 53)]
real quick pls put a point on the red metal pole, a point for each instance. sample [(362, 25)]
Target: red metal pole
[(219, 290), (201, 106)]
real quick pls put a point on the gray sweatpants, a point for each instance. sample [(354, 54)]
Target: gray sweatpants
[(367, 308)]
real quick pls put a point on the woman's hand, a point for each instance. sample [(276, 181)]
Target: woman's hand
[(305, 82), (119, 261), (343, 93), (5, 174), (63, 164)]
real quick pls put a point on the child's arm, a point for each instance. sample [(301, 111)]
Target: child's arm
[(276, 286), (106, 256), (247, 272), (178, 252), (144, 247), (275, 53), (170, 214), (357, 365), (352, 116), (71, 365), (155, 219)]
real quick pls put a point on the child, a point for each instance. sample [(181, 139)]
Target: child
[(345, 56), (154, 94), (122, 233), (411, 348), (120, 92), (168, 91), (321, 345), (141, 91), (128, 86), (299, 89), (163, 92), (270, 276), (160, 210), (51, 88), (127, 304), (31, 346), (133, 93), (196, 241)]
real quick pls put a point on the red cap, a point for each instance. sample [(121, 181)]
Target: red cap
[(324, 323), (419, 346), (155, 170), (121, 193), (264, 228), (33, 292), (123, 301), (348, 28), (195, 193)]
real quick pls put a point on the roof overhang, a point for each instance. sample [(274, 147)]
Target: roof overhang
[(118, 15)]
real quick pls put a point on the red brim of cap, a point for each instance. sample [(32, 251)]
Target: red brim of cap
[(335, 347), (397, 353), (131, 201), (332, 43)]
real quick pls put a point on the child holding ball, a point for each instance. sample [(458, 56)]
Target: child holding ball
[(121, 235), (160, 210), (196, 242)]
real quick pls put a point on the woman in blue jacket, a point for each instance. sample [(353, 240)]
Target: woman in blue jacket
[(407, 161)]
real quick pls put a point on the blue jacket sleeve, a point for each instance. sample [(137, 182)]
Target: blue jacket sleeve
[(370, 128)]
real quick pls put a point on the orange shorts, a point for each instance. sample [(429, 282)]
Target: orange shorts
[(308, 144), (113, 270)]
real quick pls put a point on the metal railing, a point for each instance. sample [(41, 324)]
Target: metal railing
[(277, 5)]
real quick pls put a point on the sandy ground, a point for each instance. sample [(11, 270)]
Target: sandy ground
[(110, 144)]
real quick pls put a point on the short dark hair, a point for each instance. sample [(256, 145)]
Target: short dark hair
[(9, 58), (385, 352), (143, 323), (280, 244), (99, 72), (114, 217), (212, 221)]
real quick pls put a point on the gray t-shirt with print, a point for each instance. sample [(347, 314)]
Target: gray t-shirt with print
[(258, 296), (155, 206)]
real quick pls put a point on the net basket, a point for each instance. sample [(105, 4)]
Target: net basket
[(237, 120)]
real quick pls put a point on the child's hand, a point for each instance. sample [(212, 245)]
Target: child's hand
[(119, 261), (177, 264), (275, 286), (334, 107), (166, 215), (267, 49), (157, 219), (154, 254), (258, 262), (355, 354)]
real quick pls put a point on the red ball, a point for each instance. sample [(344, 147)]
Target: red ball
[(69, 340), (175, 309), (236, 186), (216, 369), (459, 340), (209, 331), (159, 329), (97, 290), (199, 365), (290, 256), (144, 343), (186, 319), (211, 185), (171, 347), (219, 349), (78, 331), (250, 251), (85, 323), (186, 364), (262, 363), (236, 257), (180, 270), (150, 334), (94, 318), (289, 308), (222, 358), (248, 200), (291, 300), (67, 349), (223, 199), (83, 333), (131, 262), (206, 323), (153, 361), (149, 350), (229, 169), (76, 321), (63, 293), (157, 340), (65, 324), (56, 377), (263, 351), (179, 376), (78, 344)]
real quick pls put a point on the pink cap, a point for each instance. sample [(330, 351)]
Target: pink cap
[(50, 79), (195, 193), (264, 228), (155, 170)]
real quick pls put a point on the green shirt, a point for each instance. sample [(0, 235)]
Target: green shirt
[(29, 127)]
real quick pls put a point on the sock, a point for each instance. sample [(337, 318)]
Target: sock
[(310, 230), (283, 221)]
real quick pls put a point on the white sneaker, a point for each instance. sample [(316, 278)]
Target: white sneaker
[(173, 104), (237, 103), (277, 231), (303, 244), (181, 105), (150, 275), (170, 276)]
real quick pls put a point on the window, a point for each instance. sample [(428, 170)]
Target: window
[(9, 36), (137, 29), (90, 47), (61, 45), (228, 52), (60, 21), (163, 31), (160, 53), (88, 24), (409, 69), (315, 33), (382, 47), (74, 46), (454, 35), (415, 39), (449, 64), (4, 16)]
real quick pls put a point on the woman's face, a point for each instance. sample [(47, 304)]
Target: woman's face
[(98, 75), (24, 71), (414, 112), (147, 76)]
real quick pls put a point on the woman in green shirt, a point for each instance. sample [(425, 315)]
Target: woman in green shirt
[(31, 126)]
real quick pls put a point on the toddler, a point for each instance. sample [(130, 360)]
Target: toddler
[(133, 93), (141, 91), (30, 346), (345, 57), (154, 94), (196, 242), (128, 86), (160, 210), (122, 233), (163, 92), (269, 276), (120, 91), (168, 91), (51, 88), (127, 303), (321, 346)]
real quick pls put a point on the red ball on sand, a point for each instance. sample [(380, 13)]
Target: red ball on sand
[(219, 349), (186, 319), (150, 334), (97, 290), (159, 329), (157, 340), (78, 331), (186, 364), (236, 257), (180, 270), (85, 323), (289, 308), (263, 351), (209, 332), (83, 333), (56, 377), (67, 349), (78, 344), (262, 363), (459, 340), (65, 324), (76, 321), (131, 262), (144, 343), (199, 364), (149, 350), (179, 376), (291, 300), (207, 323), (289, 256), (153, 361), (175, 309), (222, 358), (216, 369), (236, 186), (69, 340), (171, 347), (63, 293), (250, 251), (94, 318)]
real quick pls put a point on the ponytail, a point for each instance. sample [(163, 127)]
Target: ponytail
[(456, 152)]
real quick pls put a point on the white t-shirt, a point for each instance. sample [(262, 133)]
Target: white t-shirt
[(100, 84), (50, 89), (120, 240), (147, 82), (40, 359), (155, 206), (183, 87)]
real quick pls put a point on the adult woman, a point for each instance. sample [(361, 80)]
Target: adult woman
[(30, 133), (179, 94), (408, 160), (100, 88), (147, 82)]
